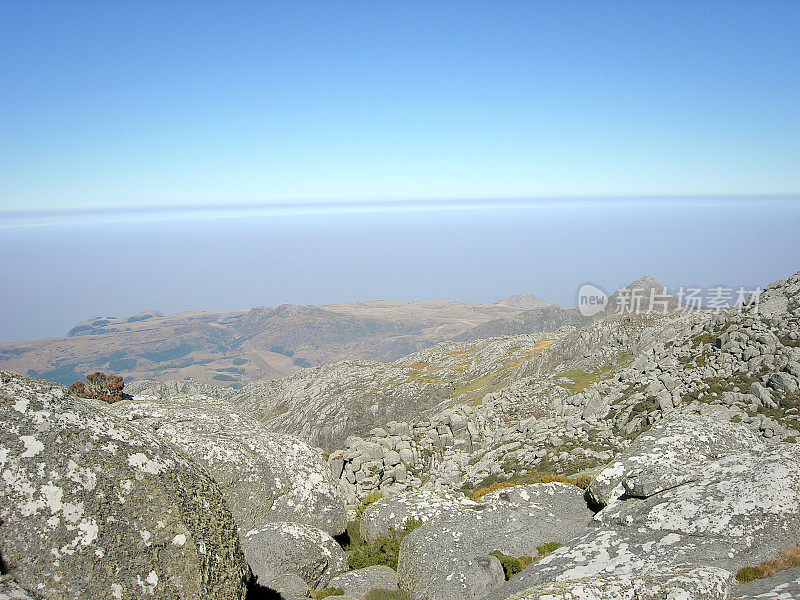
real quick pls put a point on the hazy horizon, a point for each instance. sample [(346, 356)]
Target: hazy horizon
[(57, 274)]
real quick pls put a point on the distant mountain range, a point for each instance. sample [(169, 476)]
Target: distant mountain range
[(262, 343)]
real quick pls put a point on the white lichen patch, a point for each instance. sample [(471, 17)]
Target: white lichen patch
[(32, 446), (145, 464)]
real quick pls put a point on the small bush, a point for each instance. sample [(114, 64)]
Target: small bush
[(107, 388), (511, 565), (383, 551), (369, 499), (547, 548)]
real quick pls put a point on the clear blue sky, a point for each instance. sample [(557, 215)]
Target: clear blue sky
[(122, 104)]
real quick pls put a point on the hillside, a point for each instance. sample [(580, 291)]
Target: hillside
[(236, 348)]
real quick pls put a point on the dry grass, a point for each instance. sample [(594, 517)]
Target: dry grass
[(581, 482), (786, 560)]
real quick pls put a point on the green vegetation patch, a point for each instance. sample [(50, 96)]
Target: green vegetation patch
[(383, 551), (171, 354), (514, 565), (366, 501)]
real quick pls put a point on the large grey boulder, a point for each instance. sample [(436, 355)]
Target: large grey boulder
[(741, 510), (265, 477), (278, 549), (446, 555), (393, 512), (361, 582), (94, 507), (673, 452)]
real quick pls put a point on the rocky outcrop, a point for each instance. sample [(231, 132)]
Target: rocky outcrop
[(265, 477), (394, 512), (515, 522), (731, 511), (276, 550), (361, 582), (94, 507), (674, 452)]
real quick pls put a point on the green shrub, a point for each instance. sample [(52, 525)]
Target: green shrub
[(383, 551), (511, 565), (369, 499), (384, 594), (547, 548)]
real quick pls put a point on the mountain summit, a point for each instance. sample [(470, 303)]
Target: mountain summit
[(646, 294)]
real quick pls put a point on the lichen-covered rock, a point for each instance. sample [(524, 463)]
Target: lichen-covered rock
[(361, 582), (289, 586), (265, 477), (462, 577), (515, 522), (681, 583), (93, 507), (294, 549), (11, 590), (395, 511), (671, 453), (743, 509)]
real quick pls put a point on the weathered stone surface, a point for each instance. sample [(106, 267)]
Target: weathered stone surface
[(394, 511), (289, 586), (93, 507), (673, 452), (11, 590), (455, 578), (743, 509), (360, 582), (294, 549), (265, 477), (514, 522), (680, 583)]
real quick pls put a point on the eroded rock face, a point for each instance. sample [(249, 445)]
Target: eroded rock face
[(437, 559), (395, 511), (673, 452), (279, 549), (265, 477), (93, 507)]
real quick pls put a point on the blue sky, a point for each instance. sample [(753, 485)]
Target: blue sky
[(396, 147), (121, 104)]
